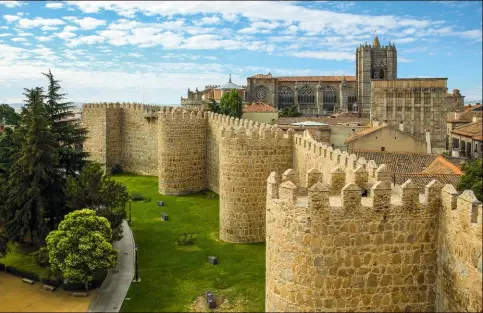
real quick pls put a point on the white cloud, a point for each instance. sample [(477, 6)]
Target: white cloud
[(404, 40), (44, 38), (404, 60), (18, 39), (48, 28), (65, 35), (89, 40), (89, 23), (472, 34), (135, 55), (69, 28), (54, 5), (12, 4), (38, 22), (11, 18), (325, 55), (209, 20), (5, 35)]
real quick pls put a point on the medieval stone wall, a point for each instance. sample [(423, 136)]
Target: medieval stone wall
[(459, 281), (181, 152), (139, 143), (94, 119), (247, 155), (378, 253)]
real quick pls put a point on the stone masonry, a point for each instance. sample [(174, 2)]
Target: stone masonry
[(339, 236)]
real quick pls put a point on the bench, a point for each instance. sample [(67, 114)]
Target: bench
[(28, 281), (80, 294), (48, 287)]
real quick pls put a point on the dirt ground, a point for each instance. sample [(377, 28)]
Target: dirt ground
[(17, 296)]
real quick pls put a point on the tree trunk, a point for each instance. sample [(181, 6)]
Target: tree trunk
[(86, 285)]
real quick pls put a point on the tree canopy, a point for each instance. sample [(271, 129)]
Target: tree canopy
[(472, 178), (231, 104), (80, 246), (8, 116)]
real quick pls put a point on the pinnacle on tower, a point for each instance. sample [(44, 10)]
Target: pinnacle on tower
[(229, 80), (375, 43)]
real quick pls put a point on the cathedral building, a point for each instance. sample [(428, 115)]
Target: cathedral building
[(417, 105)]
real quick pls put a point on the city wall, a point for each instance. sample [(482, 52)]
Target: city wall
[(394, 250), (339, 236)]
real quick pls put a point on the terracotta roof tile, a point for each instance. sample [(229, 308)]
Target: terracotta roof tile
[(259, 107), (316, 78), (442, 166), (463, 117), (472, 107), (421, 180), (365, 132), (469, 130), (269, 75), (399, 162)]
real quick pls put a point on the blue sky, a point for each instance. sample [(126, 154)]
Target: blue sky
[(127, 51)]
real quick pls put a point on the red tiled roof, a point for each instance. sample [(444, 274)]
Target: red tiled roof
[(306, 78), (399, 162), (316, 78), (259, 107), (472, 107), (421, 180), (442, 166), (469, 130), (365, 132), (463, 117)]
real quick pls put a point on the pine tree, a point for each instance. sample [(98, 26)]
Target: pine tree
[(69, 133), (32, 175)]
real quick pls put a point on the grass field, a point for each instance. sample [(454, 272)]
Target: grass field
[(172, 277), (21, 258)]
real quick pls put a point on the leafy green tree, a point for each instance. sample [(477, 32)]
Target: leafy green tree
[(231, 104), (8, 116), (30, 178), (94, 190), (472, 178), (213, 106), (80, 246), (3, 244), (69, 133)]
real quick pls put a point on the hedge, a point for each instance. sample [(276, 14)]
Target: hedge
[(14, 271), (2, 267)]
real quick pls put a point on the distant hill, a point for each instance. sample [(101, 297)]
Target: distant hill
[(474, 101)]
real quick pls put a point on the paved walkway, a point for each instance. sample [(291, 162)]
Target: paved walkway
[(114, 288)]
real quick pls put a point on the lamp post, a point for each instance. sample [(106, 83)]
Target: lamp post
[(136, 279)]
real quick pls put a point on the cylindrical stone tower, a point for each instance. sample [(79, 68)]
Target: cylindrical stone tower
[(181, 152)]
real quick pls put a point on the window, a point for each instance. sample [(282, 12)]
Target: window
[(408, 108), (260, 93), (390, 96), (427, 109), (381, 73), (373, 73), (399, 108), (427, 98), (306, 96), (409, 97), (351, 99), (285, 97), (383, 149), (389, 108), (417, 97)]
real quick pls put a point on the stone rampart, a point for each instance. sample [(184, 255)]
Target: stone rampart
[(247, 154), (345, 252), (308, 154), (459, 281), (181, 152)]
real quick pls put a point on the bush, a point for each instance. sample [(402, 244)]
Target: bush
[(12, 270), (41, 257), (186, 240), (136, 196), (116, 169)]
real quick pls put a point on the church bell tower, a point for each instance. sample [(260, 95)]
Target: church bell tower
[(373, 62)]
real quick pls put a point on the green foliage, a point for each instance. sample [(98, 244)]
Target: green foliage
[(8, 116), (80, 246), (231, 104), (41, 256), (472, 178), (94, 190), (213, 106), (290, 112), (186, 240), (30, 179), (137, 196), (4, 249)]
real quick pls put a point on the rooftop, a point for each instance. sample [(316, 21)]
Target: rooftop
[(421, 180), (309, 123), (230, 85), (365, 132), (259, 107), (399, 162), (473, 130), (305, 78)]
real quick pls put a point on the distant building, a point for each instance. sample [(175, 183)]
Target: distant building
[(260, 112), (386, 139), (467, 140)]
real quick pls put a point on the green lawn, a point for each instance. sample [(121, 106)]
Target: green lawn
[(173, 277), (21, 258)]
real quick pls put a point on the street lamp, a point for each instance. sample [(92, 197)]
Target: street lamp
[(137, 279)]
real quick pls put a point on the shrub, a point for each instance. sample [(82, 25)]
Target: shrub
[(41, 257), (116, 169), (186, 240), (136, 196)]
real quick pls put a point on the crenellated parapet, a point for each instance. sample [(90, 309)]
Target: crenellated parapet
[(321, 244), (308, 153)]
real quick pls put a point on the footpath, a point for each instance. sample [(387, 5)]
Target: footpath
[(113, 290)]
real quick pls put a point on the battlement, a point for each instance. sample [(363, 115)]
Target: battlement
[(171, 113), (123, 105)]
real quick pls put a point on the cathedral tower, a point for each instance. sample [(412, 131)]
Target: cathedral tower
[(373, 62)]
